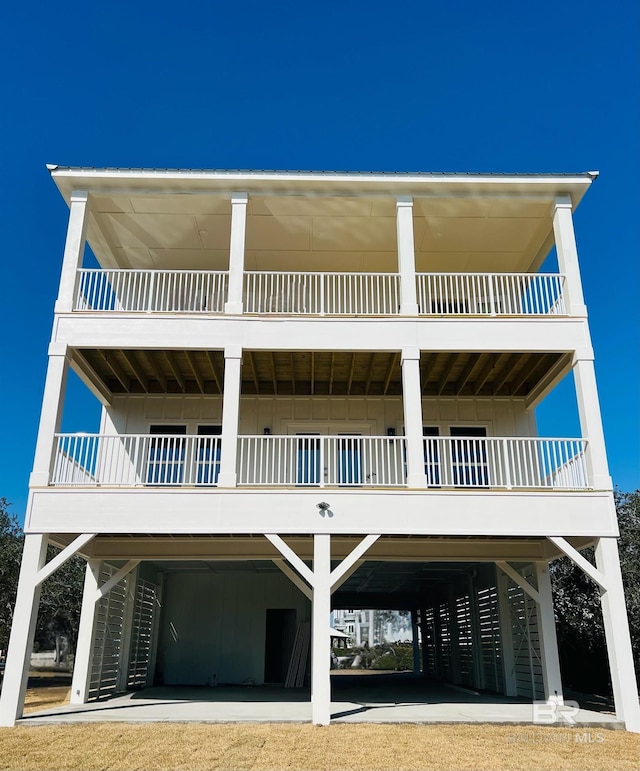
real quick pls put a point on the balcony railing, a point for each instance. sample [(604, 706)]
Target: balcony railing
[(354, 294), (316, 461), (321, 294), (151, 291), (490, 294), (135, 459), (90, 460)]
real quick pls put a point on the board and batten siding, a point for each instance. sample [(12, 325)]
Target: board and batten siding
[(212, 627), (284, 415)]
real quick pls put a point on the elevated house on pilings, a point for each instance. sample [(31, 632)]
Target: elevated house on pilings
[(318, 392)]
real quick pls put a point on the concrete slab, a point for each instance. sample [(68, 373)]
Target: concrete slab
[(374, 699)]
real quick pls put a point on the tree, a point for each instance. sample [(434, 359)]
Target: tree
[(581, 640), (11, 540), (61, 596)]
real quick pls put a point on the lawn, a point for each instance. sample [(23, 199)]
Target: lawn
[(263, 747)]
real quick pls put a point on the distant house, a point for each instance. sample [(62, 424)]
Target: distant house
[(318, 392)]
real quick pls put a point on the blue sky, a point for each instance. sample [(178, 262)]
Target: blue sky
[(413, 86)]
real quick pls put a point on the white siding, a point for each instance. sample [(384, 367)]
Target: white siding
[(213, 624), (134, 414)]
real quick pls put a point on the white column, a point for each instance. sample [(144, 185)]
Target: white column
[(51, 414), (230, 415), (591, 422), (616, 629), (73, 251), (236, 252), (84, 645), (25, 615), (548, 639), (412, 404), (406, 256), (506, 634), (320, 652), (416, 641), (567, 252)]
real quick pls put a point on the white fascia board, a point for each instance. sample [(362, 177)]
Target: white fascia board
[(207, 332), (140, 181), (294, 511)]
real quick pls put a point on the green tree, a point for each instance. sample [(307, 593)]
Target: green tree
[(11, 540), (61, 596)]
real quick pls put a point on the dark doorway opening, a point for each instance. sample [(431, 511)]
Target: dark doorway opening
[(279, 638)]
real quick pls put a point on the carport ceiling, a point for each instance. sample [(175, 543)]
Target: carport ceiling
[(301, 373)]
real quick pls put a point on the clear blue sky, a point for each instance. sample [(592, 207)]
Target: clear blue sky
[(413, 86)]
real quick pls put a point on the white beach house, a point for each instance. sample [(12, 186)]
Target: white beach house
[(318, 392)]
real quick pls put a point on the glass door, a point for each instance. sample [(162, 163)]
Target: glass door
[(208, 455), (469, 456), (308, 458), (166, 455), (431, 455), (350, 459)]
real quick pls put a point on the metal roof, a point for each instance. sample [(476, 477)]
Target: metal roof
[(588, 174)]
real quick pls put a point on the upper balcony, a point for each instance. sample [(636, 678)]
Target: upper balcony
[(320, 245), (320, 294)]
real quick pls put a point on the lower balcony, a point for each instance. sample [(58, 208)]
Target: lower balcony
[(319, 461)]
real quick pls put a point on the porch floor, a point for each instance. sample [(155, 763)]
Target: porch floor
[(385, 698)]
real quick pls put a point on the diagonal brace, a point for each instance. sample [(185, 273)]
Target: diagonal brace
[(116, 578), (294, 578), (520, 580), (580, 561), (62, 557), (339, 573), (289, 554)]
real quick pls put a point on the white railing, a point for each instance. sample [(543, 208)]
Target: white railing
[(357, 294), (135, 459), (490, 294), (316, 461), (505, 462), (151, 291)]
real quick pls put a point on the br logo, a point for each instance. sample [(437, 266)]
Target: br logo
[(550, 712)]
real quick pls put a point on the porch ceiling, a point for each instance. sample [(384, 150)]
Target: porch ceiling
[(303, 373), (315, 221)]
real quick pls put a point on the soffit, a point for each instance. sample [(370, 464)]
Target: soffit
[(306, 373)]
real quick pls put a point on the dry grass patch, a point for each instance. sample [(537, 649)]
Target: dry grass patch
[(266, 747)]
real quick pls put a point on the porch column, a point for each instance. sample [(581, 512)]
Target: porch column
[(616, 629), (568, 256), (84, 645), (506, 634), (25, 615), (236, 252), (73, 251), (230, 415), (548, 640), (406, 256), (591, 422), (412, 404), (320, 652), (51, 415), (416, 641)]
